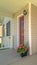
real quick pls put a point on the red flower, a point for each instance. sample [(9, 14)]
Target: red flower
[(21, 46)]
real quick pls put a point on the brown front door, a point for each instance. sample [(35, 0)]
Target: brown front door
[(22, 29)]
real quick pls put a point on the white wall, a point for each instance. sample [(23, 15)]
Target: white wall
[(34, 28), (14, 33)]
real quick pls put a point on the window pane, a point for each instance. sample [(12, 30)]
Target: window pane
[(8, 29), (3, 30)]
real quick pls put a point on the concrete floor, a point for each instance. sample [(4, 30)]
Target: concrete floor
[(11, 57)]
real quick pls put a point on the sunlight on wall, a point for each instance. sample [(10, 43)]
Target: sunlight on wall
[(0, 40), (0, 34), (0, 30)]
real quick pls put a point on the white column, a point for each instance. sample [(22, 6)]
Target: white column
[(30, 49)]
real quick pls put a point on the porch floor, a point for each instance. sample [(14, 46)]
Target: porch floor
[(10, 57)]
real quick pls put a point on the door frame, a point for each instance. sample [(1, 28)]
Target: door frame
[(18, 25), (29, 27)]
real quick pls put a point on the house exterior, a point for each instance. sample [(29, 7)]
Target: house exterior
[(30, 29)]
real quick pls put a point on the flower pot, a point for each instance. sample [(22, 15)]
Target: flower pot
[(23, 54)]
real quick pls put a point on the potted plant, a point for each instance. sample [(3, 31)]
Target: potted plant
[(23, 50)]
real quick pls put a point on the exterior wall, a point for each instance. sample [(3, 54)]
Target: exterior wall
[(34, 28), (30, 29), (14, 34)]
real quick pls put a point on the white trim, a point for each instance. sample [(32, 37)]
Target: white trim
[(18, 32), (19, 15), (30, 50)]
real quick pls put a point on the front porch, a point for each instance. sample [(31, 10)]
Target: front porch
[(10, 57)]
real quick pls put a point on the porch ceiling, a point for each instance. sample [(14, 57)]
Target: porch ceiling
[(12, 6), (9, 7)]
